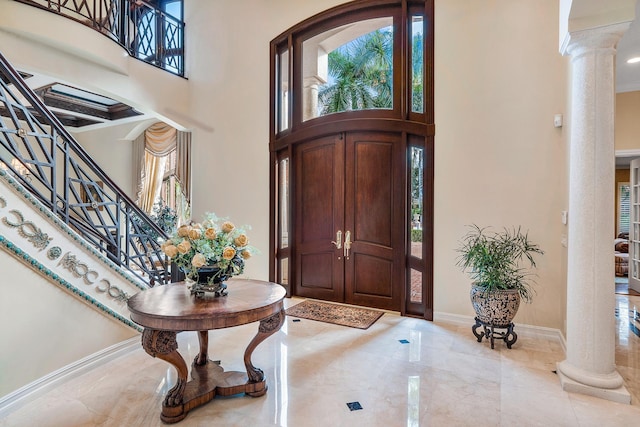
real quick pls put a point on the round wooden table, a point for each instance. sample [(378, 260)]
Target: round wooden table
[(165, 310)]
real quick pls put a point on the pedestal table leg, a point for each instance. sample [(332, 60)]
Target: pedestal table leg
[(163, 345), (267, 327), (203, 338)]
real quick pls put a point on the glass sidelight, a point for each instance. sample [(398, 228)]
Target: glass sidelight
[(282, 215), (416, 155)]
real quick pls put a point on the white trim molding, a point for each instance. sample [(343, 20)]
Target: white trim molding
[(39, 387), (521, 329)]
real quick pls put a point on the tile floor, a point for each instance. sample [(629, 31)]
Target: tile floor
[(442, 377)]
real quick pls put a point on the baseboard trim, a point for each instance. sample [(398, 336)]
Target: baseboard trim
[(522, 329), (37, 388)]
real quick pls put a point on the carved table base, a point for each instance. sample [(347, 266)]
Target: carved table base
[(208, 378)]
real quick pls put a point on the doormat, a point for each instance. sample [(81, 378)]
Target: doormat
[(354, 317)]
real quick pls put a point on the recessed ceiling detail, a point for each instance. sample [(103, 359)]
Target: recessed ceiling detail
[(66, 119), (62, 97)]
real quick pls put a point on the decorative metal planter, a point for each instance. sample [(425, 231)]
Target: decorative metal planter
[(495, 309), (210, 280)]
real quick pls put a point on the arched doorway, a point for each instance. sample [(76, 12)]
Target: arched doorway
[(351, 143)]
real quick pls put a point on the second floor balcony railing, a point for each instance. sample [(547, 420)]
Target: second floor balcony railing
[(145, 31)]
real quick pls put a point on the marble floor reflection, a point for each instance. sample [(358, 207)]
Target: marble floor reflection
[(441, 377)]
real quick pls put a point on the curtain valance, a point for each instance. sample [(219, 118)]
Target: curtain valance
[(160, 139)]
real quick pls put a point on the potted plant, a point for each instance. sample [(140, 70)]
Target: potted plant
[(500, 264)]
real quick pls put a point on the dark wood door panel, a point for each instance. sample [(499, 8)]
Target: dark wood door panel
[(317, 165), (373, 191), (373, 282), (373, 276), (350, 184), (319, 216), (374, 215), (320, 277)]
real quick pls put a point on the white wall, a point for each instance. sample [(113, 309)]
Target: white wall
[(112, 152), (626, 121), (499, 160), (45, 328)]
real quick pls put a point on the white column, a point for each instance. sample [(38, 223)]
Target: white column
[(590, 364)]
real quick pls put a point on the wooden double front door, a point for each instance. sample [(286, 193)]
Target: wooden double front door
[(350, 198)]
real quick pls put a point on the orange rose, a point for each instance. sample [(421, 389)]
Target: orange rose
[(183, 231), (227, 227), (198, 260), (194, 233), (210, 233), (241, 240), (245, 254), (171, 251), (184, 247), (228, 253)]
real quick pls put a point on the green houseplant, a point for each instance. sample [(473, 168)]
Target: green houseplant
[(501, 265)]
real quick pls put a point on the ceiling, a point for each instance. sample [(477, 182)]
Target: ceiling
[(77, 108), (628, 75)]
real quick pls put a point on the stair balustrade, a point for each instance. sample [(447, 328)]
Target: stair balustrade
[(43, 156)]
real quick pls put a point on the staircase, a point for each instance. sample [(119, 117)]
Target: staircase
[(70, 252), (63, 215), (73, 248), (38, 153)]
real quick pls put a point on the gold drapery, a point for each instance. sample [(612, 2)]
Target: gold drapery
[(154, 172), (137, 158), (183, 160), (160, 139), (150, 154)]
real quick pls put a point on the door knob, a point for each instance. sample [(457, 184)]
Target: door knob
[(338, 241), (347, 244)]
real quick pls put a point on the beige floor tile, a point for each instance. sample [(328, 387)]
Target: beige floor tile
[(443, 376)]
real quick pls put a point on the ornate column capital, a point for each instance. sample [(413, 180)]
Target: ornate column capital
[(582, 42)]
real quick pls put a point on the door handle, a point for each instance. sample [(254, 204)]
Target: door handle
[(338, 241), (347, 244)]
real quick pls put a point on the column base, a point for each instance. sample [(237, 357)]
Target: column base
[(619, 394)]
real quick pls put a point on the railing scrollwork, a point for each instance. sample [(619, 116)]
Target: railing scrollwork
[(145, 31), (39, 152)]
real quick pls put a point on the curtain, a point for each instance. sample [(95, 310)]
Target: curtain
[(160, 139), (154, 172), (150, 153), (183, 166), (137, 156)]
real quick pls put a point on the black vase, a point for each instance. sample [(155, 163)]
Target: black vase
[(207, 272)]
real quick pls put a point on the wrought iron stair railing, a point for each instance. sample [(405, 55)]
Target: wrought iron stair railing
[(146, 32), (43, 156)]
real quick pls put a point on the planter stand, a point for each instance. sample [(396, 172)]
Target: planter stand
[(490, 332)]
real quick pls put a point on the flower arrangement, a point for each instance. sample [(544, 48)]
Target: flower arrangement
[(215, 242)]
